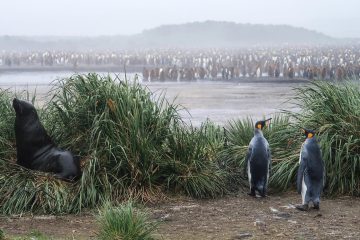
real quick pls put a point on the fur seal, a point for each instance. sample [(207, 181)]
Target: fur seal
[(36, 150)]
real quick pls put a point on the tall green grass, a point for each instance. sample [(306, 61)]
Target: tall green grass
[(7, 135), (119, 128), (125, 222), (333, 110), (192, 166)]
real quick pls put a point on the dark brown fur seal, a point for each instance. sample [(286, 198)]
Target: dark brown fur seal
[(36, 150)]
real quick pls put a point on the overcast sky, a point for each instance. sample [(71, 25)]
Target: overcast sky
[(338, 18)]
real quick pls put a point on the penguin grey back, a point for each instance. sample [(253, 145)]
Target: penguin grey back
[(258, 163), (311, 172), (314, 161)]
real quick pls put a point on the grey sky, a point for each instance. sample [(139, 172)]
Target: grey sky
[(338, 18)]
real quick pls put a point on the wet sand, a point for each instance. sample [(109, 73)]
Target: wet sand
[(222, 101)]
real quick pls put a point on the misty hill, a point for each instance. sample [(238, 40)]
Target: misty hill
[(189, 35), (228, 34)]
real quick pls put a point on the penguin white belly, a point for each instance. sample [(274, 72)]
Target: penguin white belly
[(249, 173), (303, 190)]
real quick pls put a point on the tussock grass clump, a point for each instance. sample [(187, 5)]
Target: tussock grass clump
[(125, 222), (193, 166), (333, 110), (118, 127), (7, 118), (24, 190)]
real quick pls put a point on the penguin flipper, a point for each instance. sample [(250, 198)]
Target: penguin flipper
[(269, 159), (301, 172)]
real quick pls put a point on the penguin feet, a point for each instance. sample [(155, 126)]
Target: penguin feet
[(263, 194), (303, 207), (316, 206), (253, 194)]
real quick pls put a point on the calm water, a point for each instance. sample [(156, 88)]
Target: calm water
[(41, 78)]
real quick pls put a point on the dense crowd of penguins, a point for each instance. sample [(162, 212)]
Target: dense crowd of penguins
[(179, 64)]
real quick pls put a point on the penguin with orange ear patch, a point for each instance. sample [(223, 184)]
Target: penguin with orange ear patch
[(258, 161), (311, 172)]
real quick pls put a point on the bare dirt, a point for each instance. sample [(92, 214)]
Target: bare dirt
[(231, 217)]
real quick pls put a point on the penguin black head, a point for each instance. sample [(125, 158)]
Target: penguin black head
[(308, 133), (261, 124)]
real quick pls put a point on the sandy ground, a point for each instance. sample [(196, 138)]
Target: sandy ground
[(232, 217)]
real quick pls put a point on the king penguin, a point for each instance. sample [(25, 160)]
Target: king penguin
[(311, 172), (258, 161)]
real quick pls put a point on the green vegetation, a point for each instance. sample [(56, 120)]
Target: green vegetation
[(36, 235), (2, 235), (33, 235), (193, 166), (125, 222), (7, 136), (133, 144), (334, 111), (119, 129)]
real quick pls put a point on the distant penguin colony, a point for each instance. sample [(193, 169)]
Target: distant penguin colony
[(311, 173), (258, 161)]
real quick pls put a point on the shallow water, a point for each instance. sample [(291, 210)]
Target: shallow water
[(217, 100)]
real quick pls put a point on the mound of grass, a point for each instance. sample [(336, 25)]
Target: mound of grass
[(333, 110), (125, 222), (118, 127), (24, 190), (7, 118), (193, 166)]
